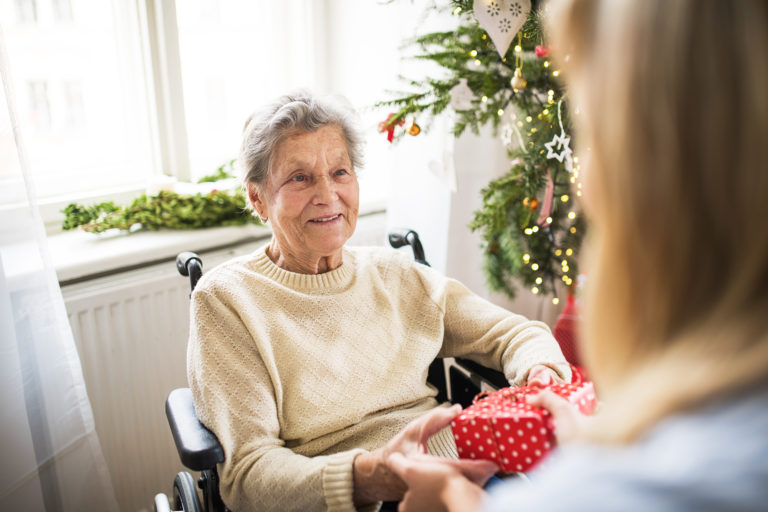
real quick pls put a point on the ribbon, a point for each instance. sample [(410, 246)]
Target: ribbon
[(388, 126)]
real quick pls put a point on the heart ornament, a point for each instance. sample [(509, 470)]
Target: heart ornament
[(501, 19)]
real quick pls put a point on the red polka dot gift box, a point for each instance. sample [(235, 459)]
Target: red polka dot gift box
[(502, 427)]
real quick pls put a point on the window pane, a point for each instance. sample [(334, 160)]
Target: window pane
[(235, 56), (80, 96)]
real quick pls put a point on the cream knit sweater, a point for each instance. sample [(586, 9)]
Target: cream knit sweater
[(296, 374)]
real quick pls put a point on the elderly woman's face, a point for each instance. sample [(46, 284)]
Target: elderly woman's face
[(312, 196)]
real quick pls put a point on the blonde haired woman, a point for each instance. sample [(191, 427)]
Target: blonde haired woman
[(673, 101)]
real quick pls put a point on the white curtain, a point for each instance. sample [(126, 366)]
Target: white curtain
[(51, 456)]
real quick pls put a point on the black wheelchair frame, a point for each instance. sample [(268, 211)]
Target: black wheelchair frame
[(198, 448)]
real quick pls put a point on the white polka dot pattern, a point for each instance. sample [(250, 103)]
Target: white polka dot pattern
[(504, 428)]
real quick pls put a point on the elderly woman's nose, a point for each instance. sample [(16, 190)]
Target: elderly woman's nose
[(325, 189)]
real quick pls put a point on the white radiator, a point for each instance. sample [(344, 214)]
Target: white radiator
[(131, 333)]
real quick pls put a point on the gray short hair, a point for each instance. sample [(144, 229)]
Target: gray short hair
[(300, 111)]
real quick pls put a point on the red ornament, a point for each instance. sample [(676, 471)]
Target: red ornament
[(388, 126), (542, 52), (566, 331)]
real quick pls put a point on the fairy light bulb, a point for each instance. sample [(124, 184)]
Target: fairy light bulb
[(569, 252), (518, 48), (571, 215), (526, 258), (564, 198), (457, 11), (535, 267), (545, 111), (539, 280), (535, 290), (473, 53), (528, 231), (549, 220), (558, 252), (484, 99), (556, 73), (564, 263), (500, 112), (546, 63), (572, 230), (528, 119), (555, 301)]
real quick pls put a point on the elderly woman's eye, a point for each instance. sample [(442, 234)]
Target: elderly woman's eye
[(299, 177), (341, 172)]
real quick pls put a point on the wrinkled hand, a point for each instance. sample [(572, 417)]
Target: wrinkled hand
[(435, 485), (374, 480), (569, 422), (542, 375)]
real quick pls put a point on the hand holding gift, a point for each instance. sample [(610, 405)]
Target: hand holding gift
[(512, 427)]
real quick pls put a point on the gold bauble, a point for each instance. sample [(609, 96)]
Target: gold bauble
[(414, 129), (518, 82)]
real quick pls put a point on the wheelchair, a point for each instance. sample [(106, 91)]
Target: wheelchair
[(458, 380)]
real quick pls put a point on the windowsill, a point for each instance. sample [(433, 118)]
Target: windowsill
[(78, 255)]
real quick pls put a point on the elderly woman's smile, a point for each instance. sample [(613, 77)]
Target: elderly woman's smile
[(311, 199)]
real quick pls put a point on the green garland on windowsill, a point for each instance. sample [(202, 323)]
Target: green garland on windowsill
[(166, 210)]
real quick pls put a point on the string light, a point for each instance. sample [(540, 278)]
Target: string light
[(500, 112), (549, 220), (546, 63), (535, 267), (539, 280), (457, 11), (564, 263), (545, 111), (518, 48), (477, 62), (568, 252), (571, 215), (555, 301), (535, 290), (572, 230), (535, 229), (528, 231), (473, 53), (529, 119), (484, 99), (556, 73), (526, 258), (558, 252), (564, 198)]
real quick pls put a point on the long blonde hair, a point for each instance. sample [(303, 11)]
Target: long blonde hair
[(672, 118)]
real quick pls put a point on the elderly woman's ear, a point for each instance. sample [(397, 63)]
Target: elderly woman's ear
[(255, 199)]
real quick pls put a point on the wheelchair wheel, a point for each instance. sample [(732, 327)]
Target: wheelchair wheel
[(185, 493)]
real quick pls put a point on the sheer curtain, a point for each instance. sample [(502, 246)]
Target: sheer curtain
[(51, 455)]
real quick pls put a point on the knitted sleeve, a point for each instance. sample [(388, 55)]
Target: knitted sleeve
[(489, 334), (235, 399)]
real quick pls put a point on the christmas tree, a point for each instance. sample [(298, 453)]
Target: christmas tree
[(498, 73)]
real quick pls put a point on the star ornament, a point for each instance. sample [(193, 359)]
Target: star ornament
[(559, 147)]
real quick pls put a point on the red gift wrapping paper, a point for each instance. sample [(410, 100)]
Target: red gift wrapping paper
[(502, 427)]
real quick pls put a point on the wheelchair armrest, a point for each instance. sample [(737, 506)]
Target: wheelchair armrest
[(468, 378), (197, 446), (493, 377)]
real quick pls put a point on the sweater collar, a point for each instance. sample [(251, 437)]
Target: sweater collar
[(326, 282)]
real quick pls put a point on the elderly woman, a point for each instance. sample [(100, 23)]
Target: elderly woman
[(308, 358), (676, 310)]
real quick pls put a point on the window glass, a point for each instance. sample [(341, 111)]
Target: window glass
[(79, 93), (235, 56)]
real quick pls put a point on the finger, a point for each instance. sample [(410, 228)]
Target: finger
[(478, 471), (398, 464), (436, 420), (555, 404)]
